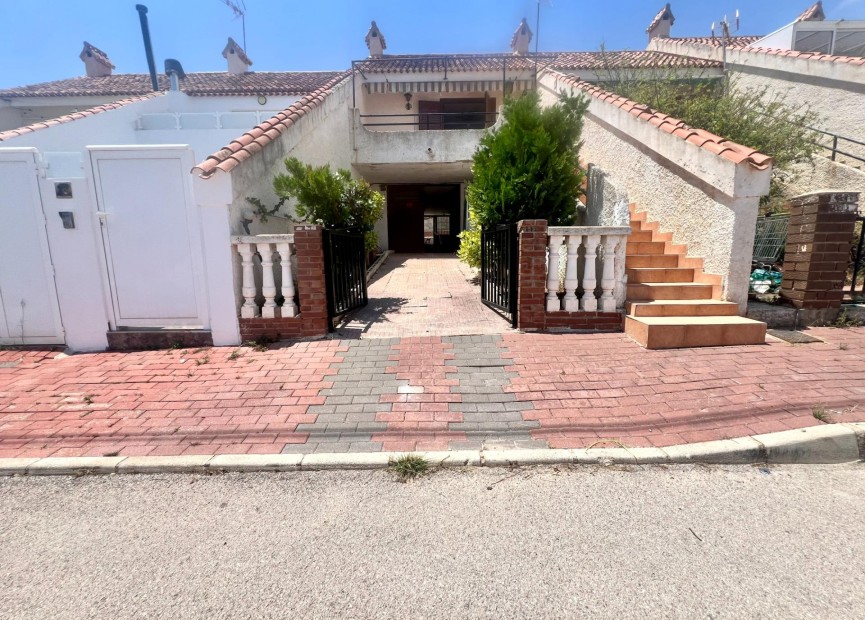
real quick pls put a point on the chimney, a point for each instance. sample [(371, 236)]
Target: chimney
[(238, 61), (521, 39), (375, 41), (96, 61), (660, 26)]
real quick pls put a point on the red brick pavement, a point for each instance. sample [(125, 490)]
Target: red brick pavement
[(419, 421), (602, 389), (583, 388)]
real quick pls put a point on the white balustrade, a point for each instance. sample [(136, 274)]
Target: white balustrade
[(591, 251), (266, 279)]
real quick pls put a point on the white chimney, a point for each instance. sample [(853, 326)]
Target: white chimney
[(238, 61), (660, 26), (375, 41), (96, 61), (521, 39)]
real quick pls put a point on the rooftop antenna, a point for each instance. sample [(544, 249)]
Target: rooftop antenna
[(238, 7), (538, 21), (726, 35)]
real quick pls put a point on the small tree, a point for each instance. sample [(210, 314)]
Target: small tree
[(526, 169), (333, 200), (529, 167)]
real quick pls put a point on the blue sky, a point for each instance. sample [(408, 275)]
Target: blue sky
[(41, 40)]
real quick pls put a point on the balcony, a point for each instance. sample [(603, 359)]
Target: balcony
[(435, 147)]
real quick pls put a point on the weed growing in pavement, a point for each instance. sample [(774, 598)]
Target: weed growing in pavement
[(235, 354), (844, 320), (203, 360), (409, 466), (256, 345), (88, 398), (819, 412), (843, 346)]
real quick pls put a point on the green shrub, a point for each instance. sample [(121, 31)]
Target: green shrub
[(470, 243), (752, 117), (528, 168), (330, 199)]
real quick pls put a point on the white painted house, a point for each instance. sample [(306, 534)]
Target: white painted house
[(132, 215)]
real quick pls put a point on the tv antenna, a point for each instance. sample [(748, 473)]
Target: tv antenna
[(726, 34), (238, 7)]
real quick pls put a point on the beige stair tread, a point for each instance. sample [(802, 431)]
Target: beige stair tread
[(681, 307), (695, 320)]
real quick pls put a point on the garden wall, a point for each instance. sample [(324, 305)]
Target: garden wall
[(701, 188)]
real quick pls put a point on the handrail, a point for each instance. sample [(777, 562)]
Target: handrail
[(428, 120)]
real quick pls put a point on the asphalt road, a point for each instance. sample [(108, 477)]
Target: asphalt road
[(683, 542)]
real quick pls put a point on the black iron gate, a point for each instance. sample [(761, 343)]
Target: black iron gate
[(499, 269), (857, 263), (344, 272)]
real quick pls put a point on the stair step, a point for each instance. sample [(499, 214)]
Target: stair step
[(705, 331), (644, 247), (639, 261), (682, 307), (648, 275), (640, 236), (655, 291)]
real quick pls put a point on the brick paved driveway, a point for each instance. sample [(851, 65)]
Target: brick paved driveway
[(423, 295), (567, 390)]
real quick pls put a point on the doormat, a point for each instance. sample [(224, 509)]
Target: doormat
[(791, 336)]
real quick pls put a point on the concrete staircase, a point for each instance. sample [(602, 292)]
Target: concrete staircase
[(671, 303)]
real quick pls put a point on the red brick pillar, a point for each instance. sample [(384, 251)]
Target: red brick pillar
[(819, 236), (311, 291), (532, 287)]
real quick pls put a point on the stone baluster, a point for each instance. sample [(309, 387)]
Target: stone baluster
[(553, 303), (608, 275), (621, 274), (268, 286), (590, 281), (289, 308), (572, 281), (249, 309)]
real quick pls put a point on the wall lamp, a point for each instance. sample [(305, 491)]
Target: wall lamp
[(407, 101)]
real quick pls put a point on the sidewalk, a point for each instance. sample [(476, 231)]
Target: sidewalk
[(433, 393)]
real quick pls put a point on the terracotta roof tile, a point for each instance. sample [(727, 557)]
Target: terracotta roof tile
[(740, 43), (68, 118), (254, 140), (732, 42), (666, 12), (699, 137), (195, 84), (439, 63), (813, 13)]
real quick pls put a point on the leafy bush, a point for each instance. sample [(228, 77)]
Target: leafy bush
[(753, 117), (528, 168), (470, 243), (330, 199)]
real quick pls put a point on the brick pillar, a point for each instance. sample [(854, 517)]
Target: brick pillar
[(311, 291), (819, 236), (532, 285)]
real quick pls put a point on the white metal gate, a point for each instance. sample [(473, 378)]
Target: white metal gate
[(151, 235), (29, 312)]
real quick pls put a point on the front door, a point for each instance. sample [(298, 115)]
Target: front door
[(29, 312), (151, 236)]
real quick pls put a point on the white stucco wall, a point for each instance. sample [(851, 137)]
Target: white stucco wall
[(706, 201), (835, 90), (823, 173)]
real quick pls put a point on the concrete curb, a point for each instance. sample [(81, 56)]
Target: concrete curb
[(829, 443)]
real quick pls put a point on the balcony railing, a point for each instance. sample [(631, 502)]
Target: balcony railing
[(432, 120)]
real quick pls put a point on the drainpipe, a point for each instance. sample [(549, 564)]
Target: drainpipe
[(148, 49)]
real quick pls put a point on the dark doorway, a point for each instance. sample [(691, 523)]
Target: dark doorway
[(475, 113), (423, 218)]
